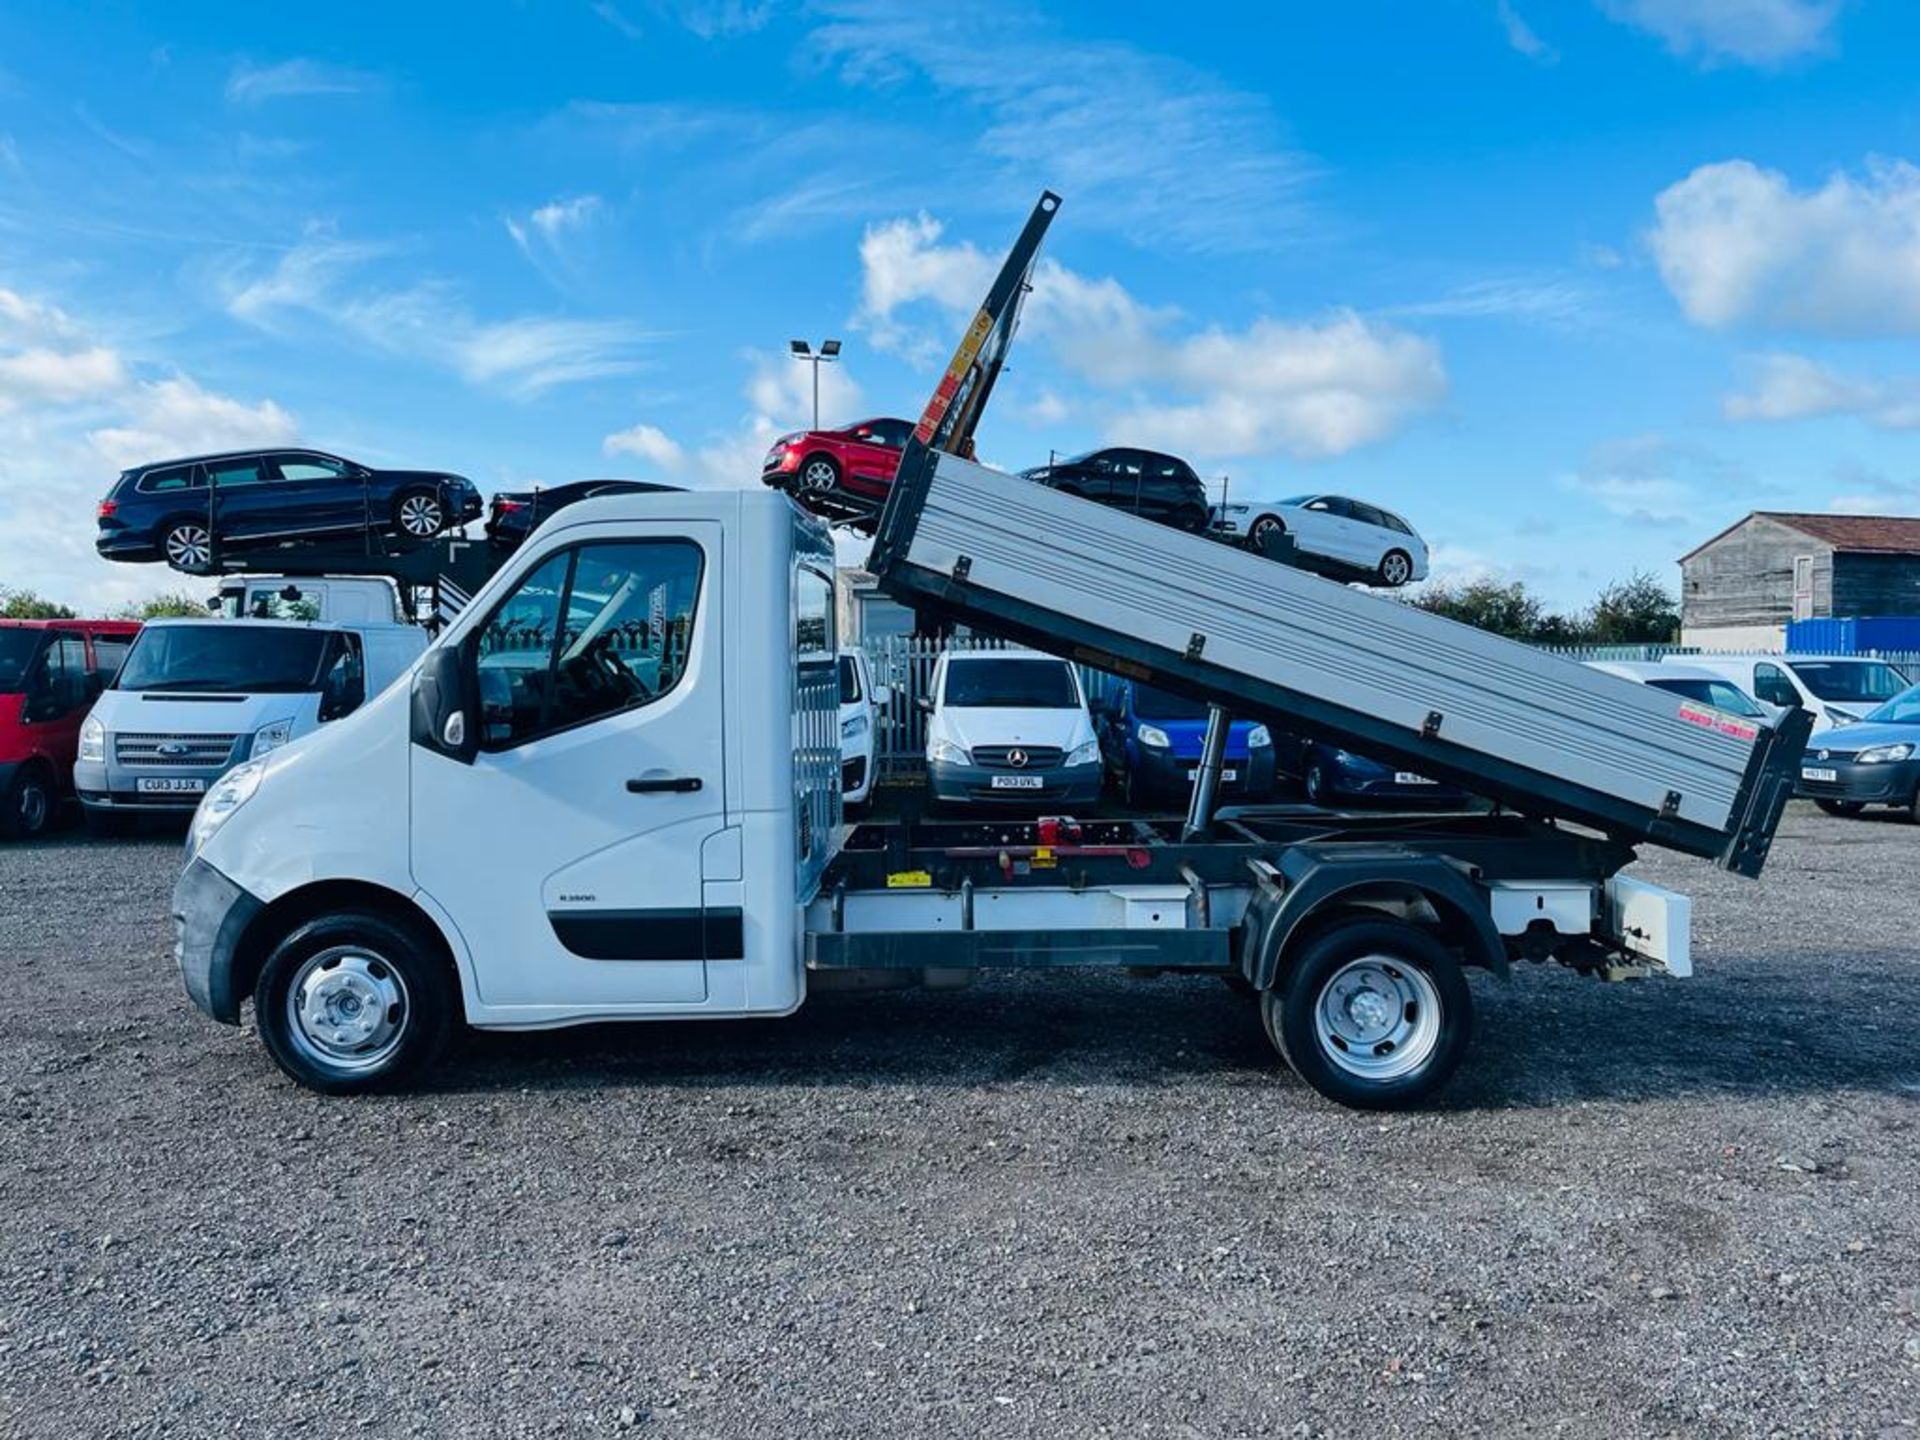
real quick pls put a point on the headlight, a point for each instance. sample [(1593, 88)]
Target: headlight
[(1259, 738), (945, 752), (1153, 737), (853, 727), (93, 740), (229, 793), (1883, 754), (271, 737), (1084, 754)]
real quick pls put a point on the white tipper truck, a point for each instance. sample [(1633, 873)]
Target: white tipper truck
[(611, 791)]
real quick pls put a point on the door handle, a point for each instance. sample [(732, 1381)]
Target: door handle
[(665, 785)]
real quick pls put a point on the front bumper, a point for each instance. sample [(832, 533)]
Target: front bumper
[(973, 784), (1161, 772), (210, 915), (1891, 783)]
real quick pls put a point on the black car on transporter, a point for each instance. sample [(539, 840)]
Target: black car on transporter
[(192, 511), (513, 514), (1152, 485)]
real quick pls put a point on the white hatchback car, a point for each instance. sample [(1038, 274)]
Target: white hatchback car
[(1349, 539), (859, 713)]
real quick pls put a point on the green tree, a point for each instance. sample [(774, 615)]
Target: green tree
[(1511, 610), (1635, 611), (26, 605), (174, 602)]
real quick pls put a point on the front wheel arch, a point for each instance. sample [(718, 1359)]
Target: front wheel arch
[(279, 919)]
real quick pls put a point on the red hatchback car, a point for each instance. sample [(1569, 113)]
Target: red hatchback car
[(51, 672), (847, 470)]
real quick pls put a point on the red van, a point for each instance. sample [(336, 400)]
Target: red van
[(51, 672)]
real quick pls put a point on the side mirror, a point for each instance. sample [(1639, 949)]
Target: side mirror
[(924, 704), (446, 714)]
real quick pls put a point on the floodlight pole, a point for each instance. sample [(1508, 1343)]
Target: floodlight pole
[(829, 352)]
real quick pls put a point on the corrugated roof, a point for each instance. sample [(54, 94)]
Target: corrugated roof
[(1880, 534)]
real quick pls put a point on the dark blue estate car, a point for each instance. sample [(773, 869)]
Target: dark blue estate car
[(1152, 740), (190, 512)]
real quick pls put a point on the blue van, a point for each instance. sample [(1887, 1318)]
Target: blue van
[(1151, 742)]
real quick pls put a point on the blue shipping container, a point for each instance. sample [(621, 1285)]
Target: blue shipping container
[(1854, 635)]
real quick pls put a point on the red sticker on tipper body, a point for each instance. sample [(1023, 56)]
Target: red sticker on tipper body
[(1719, 722)]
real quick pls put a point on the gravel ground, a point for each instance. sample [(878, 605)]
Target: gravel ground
[(1053, 1206)]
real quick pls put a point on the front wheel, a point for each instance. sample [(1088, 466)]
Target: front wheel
[(1846, 809), (353, 1002), (1396, 568), (1265, 529), (27, 807), (819, 474), (1374, 1014)]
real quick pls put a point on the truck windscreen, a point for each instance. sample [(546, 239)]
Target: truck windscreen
[(229, 655), (1010, 685), (17, 649)]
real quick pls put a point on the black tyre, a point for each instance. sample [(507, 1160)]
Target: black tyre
[(1846, 809), (1318, 791), (26, 810), (1373, 1014), (419, 514), (187, 546), (1193, 520), (355, 1001), (1396, 568), (819, 473), (1263, 529)]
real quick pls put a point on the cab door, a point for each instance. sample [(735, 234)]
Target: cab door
[(568, 853)]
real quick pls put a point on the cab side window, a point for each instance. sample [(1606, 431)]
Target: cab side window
[(1771, 684), (590, 632), (60, 687)]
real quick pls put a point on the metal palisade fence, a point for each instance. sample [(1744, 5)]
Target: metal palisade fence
[(903, 666)]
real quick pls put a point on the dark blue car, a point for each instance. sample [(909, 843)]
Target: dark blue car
[(1332, 776), (191, 512), (1151, 741)]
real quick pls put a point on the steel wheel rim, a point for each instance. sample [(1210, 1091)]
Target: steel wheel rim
[(420, 515), (1397, 569), (32, 811), (189, 547), (347, 1010), (1378, 1018), (817, 476)]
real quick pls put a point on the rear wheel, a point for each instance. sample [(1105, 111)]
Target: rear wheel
[(1847, 809), (1264, 529), (187, 546), (353, 1002), (819, 473), (1373, 1014), (1193, 520), (419, 514), (26, 809), (1396, 568), (1318, 791)]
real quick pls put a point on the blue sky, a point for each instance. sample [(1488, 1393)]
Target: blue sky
[(1569, 283)]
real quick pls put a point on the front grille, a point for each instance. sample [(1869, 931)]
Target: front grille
[(166, 750), (1000, 757)]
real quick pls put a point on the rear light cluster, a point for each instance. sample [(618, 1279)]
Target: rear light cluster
[(109, 508), (507, 507)]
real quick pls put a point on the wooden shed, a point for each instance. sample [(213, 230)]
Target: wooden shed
[(1739, 589)]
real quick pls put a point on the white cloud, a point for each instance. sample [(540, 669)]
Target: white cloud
[(1554, 301), (1738, 245), (250, 84), (1794, 387), (779, 395), (557, 217), (1522, 36), (1309, 388), (1160, 151), (1751, 32), (73, 410), (1650, 480), (650, 443), (521, 357), (164, 418)]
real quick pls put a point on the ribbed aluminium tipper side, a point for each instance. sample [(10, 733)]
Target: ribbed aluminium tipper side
[(1535, 731)]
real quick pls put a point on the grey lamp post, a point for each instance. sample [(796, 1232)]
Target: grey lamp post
[(829, 352)]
